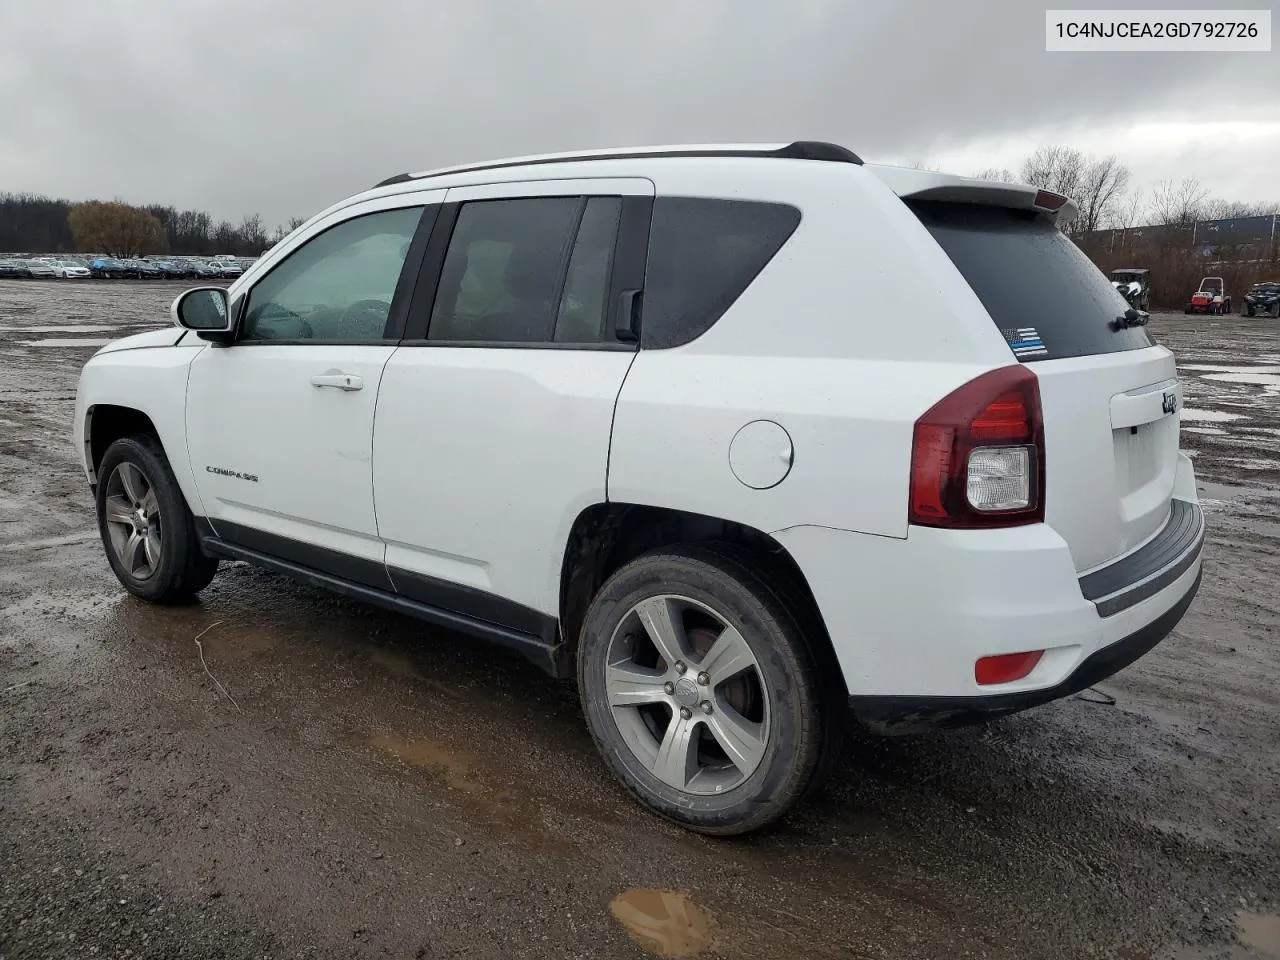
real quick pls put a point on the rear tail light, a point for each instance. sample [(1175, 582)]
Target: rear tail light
[(977, 458), (1006, 667)]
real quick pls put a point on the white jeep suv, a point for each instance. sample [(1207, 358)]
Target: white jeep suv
[(743, 437)]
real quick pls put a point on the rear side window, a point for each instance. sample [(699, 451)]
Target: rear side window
[(502, 272), (702, 255), (532, 270), (1044, 294)]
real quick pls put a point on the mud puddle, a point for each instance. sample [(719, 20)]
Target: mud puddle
[(1210, 416), (431, 757), (1260, 932), (1256, 379), (72, 328), (1224, 368), (664, 922), (66, 342)]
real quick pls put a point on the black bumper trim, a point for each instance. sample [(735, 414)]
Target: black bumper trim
[(912, 714), (1154, 566)]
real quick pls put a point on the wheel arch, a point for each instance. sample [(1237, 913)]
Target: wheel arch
[(605, 536), (104, 424)]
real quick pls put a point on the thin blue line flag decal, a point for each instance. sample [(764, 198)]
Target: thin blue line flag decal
[(1025, 342)]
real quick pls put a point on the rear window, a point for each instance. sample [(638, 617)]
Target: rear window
[(702, 254), (1044, 294)]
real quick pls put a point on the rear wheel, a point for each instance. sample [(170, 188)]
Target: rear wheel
[(1275, 310), (147, 530), (701, 692)]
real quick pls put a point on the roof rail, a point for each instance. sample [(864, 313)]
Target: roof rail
[(799, 150)]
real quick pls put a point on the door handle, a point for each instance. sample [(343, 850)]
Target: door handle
[(345, 382)]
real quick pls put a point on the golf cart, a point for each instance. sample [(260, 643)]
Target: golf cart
[(1210, 298), (1263, 299), (1134, 285)]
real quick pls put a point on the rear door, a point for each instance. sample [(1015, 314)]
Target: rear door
[(494, 416), (1111, 396)]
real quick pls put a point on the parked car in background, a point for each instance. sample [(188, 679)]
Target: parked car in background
[(13, 270), (41, 270), (1263, 298), (171, 269), (108, 268), (142, 270), (71, 270), (206, 270), (227, 268)]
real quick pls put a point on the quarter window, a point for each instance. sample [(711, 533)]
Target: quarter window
[(338, 286), (703, 253)]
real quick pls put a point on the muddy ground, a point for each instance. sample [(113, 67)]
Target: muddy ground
[(369, 787)]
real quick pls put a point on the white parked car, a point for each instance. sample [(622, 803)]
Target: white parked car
[(70, 270), (741, 437)]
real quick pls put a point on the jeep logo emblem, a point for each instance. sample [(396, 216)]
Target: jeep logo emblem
[(1170, 402)]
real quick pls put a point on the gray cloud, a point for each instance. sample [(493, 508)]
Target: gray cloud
[(282, 107)]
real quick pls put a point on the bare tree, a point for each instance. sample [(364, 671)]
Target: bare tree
[(1056, 168), (1102, 185), (1002, 174), (1217, 209), (1126, 211), (1178, 204), (284, 229)]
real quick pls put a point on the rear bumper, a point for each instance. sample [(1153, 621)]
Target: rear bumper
[(909, 618), (912, 714)]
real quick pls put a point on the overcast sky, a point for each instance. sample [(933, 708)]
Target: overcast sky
[(283, 106)]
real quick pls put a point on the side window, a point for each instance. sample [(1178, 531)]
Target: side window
[(530, 270), (501, 276), (337, 286), (703, 254), (584, 307)]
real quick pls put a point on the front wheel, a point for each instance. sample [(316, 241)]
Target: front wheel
[(702, 693), (147, 530)]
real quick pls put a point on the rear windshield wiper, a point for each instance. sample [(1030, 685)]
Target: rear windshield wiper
[(1131, 318)]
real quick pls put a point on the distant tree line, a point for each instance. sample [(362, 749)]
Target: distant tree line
[(1101, 187), (35, 224)]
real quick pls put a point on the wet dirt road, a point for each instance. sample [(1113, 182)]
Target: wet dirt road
[(369, 787)]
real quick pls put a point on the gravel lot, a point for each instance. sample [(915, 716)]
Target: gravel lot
[(377, 792)]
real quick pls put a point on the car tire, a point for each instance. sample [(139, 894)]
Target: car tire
[(147, 530), (1275, 311), (775, 711)]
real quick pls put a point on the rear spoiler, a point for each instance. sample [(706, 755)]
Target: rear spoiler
[(912, 184)]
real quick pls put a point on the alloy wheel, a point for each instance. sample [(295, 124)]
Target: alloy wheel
[(686, 693), (132, 514)]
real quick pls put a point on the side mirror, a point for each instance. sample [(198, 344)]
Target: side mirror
[(204, 310)]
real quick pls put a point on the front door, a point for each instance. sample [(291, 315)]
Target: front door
[(280, 423)]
